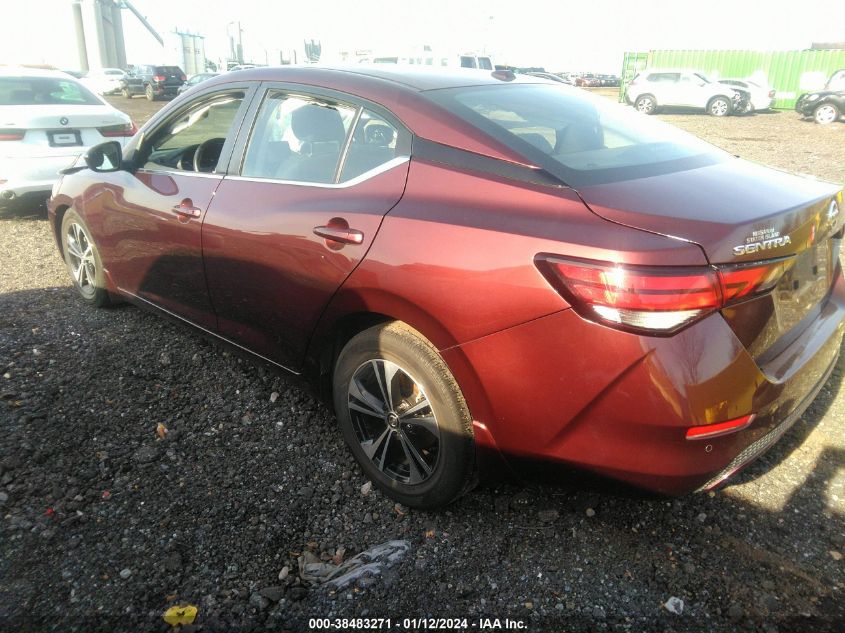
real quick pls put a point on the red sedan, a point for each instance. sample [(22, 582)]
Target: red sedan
[(475, 264)]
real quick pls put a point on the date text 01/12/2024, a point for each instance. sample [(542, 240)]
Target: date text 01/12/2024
[(416, 624)]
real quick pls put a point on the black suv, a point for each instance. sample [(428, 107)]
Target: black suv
[(825, 106), (152, 81)]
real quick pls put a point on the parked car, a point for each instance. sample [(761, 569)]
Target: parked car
[(104, 81), (587, 80), (48, 118), (549, 76), (419, 246), (760, 98), (825, 106), (653, 88), (196, 79), (153, 82)]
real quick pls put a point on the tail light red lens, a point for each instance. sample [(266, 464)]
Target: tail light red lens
[(183, 78), (159, 77), (771, 94), (119, 130), (707, 431), (655, 299), (10, 134)]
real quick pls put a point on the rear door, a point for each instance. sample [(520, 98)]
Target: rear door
[(316, 174), (151, 225)]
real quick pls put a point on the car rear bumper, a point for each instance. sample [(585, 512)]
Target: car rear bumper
[(569, 391), (25, 175)]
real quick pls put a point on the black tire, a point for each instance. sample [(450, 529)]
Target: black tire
[(93, 291), (826, 113), (646, 104), (424, 379), (719, 106), (148, 91)]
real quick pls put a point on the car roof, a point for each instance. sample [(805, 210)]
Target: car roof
[(23, 71), (416, 78)]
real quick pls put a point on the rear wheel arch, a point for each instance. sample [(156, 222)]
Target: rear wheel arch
[(57, 226)]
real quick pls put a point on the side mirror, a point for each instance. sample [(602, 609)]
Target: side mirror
[(105, 157)]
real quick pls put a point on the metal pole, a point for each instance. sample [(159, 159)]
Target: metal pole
[(119, 42), (81, 48), (143, 20)]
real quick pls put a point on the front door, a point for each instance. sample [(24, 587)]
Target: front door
[(317, 176), (152, 230)]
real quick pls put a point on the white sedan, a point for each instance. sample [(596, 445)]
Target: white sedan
[(104, 81), (47, 119)]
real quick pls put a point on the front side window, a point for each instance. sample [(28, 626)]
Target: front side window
[(298, 138), (589, 139), (194, 140), (467, 61), (485, 63)]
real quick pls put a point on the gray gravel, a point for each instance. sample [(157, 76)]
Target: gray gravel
[(108, 520)]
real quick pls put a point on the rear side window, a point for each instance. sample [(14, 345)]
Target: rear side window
[(584, 138), (664, 77), (485, 63), (467, 61), (298, 138), (374, 142), (44, 91)]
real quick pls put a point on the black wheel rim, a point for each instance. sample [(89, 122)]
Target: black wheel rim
[(394, 422)]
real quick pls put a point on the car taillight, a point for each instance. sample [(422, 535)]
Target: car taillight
[(771, 94), (655, 299), (183, 78), (159, 77), (121, 129), (10, 134)]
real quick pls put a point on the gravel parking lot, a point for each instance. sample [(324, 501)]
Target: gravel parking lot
[(143, 467)]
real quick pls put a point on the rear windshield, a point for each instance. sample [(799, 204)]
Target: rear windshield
[(44, 91), (584, 139), (169, 70)]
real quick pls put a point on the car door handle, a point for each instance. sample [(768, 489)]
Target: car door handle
[(186, 208), (341, 234)]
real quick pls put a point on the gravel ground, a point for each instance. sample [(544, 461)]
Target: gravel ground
[(108, 520)]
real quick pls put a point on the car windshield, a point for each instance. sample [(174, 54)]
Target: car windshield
[(44, 91), (583, 138)]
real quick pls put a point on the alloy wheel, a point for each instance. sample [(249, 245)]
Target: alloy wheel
[(719, 107), (645, 105), (83, 265), (825, 114), (393, 421)]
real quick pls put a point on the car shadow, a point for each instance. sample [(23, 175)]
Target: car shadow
[(609, 556)]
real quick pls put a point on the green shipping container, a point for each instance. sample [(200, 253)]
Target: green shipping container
[(788, 73)]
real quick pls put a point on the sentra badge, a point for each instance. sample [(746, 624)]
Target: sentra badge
[(762, 240)]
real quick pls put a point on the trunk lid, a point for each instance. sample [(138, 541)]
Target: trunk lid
[(740, 212)]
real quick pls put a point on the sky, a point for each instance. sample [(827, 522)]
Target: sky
[(589, 35)]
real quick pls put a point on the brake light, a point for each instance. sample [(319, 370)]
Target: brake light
[(183, 78), (159, 77), (119, 130), (771, 94), (11, 134), (655, 299)]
